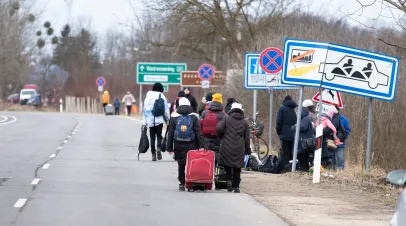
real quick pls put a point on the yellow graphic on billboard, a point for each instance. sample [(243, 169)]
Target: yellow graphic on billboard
[(300, 71)]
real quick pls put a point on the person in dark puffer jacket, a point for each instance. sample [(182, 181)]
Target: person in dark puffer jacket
[(306, 132), (213, 144), (181, 149), (286, 118), (235, 144)]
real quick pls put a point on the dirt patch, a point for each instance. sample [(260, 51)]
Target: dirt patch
[(300, 202)]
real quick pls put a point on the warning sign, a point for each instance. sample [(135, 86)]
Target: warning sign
[(329, 97)]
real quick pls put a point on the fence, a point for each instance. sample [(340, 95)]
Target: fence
[(82, 105)]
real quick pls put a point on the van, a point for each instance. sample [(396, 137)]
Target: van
[(26, 96)]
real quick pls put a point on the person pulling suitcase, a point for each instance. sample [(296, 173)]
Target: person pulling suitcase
[(183, 136)]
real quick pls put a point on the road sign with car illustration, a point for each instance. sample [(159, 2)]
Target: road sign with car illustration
[(340, 68)]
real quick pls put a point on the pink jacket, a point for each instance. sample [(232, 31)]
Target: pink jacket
[(326, 121)]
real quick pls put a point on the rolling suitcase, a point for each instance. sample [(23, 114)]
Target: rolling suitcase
[(199, 170), (109, 109)]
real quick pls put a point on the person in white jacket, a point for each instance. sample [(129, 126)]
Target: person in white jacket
[(155, 121), (128, 101)]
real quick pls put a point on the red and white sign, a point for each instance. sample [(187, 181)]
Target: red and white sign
[(329, 97)]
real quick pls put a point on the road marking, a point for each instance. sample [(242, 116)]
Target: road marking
[(65, 141), (52, 156), (14, 119), (3, 119), (46, 166), (36, 181), (73, 133), (302, 55), (69, 137), (20, 203)]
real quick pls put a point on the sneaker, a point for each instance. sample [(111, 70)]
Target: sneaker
[(181, 187), (236, 190), (229, 186), (159, 154), (153, 157), (338, 142)]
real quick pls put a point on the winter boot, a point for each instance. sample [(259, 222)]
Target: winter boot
[(159, 154), (236, 190), (181, 187), (229, 186), (153, 157)]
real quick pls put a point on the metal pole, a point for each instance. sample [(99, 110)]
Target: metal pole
[(140, 105), (299, 113), (254, 108), (270, 116), (369, 138)]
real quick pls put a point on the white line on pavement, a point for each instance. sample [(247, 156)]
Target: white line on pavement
[(36, 181), (52, 156), (4, 118), (46, 166), (73, 133), (14, 119), (65, 141), (20, 203)]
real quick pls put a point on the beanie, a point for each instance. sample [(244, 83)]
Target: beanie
[(307, 103), (209, 96), (184, 102), (236, 106), (158, 87), (217, 97)]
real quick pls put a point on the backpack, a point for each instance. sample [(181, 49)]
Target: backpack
[(271, 164), (159, 107), (209, 125), (184, 129)]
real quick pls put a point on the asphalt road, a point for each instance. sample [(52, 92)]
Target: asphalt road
[(88, 174)]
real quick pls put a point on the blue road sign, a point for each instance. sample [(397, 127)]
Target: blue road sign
[(271, 60), (340, 68), (255, 77), (100, 81), (206, 72)]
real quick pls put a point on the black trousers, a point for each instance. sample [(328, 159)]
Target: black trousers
[(286, 153), (104, 107), (181, 172), (155, 131), (117, 111), (303, 159), (234, 175), (129, 110)]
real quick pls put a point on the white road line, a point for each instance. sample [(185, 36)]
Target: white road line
[(46, 166), (36, 181), (65, 141), (73, 133), (69, 137), (20, 203), (14, 119), (4, 118), (52, 156)]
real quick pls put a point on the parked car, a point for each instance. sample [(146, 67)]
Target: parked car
[(14, 98), (26, 96), (398, 177)]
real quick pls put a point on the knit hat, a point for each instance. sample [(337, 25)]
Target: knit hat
[(217, 97), (181, 93), (307, 103), (209, 96), (158, 87), (236, 106), (184, 102)]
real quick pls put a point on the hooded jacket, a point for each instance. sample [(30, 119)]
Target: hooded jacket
[(148, 118), (181, 148), (306, 127), (117, 103), (286, 118), (105, 97), (128, 99), (192, 100), (233, 131), (213, 144)]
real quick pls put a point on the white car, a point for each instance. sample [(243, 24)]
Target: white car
[(398, 177), (26, 96)]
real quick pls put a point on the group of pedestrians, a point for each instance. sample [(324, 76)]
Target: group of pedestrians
[(336, 129), (193, 127), (128, 101)]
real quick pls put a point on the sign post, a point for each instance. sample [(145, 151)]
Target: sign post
[(341, 68), (270, 115), (100, 83), (369, 137)]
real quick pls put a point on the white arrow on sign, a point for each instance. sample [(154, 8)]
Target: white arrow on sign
[(142, 68)]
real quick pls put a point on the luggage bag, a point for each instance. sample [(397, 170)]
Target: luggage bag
[(199, 173)]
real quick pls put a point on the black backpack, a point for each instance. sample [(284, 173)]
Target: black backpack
[(159, 107), (270, 165)]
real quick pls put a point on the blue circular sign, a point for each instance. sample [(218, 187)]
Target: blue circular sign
[(205, 71), (271, 60), (100, 81)]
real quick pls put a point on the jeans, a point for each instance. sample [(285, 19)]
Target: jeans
[(129, 110), (117, 111), (339, 156), (181, 172), (156, 131), (234, 175)]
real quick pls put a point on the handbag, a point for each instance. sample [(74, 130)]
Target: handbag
[(165, 140), (331, 144), (309, 144), (144, 141)]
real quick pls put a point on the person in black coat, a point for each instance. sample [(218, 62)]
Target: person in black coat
[(306, 132), (286, 118), (233, 131), (181, 148), (230, 101), (192, 100)]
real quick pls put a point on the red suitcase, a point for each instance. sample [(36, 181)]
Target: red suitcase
[(199, 170)]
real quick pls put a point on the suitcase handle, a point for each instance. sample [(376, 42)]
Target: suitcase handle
[(203, 152)]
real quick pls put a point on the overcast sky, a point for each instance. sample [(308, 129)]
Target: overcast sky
[(108, 14)]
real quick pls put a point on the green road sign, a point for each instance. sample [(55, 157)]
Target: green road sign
[(166, 88), (165, 73)]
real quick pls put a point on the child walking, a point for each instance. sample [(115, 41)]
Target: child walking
[(183, 136), (233, 131)]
